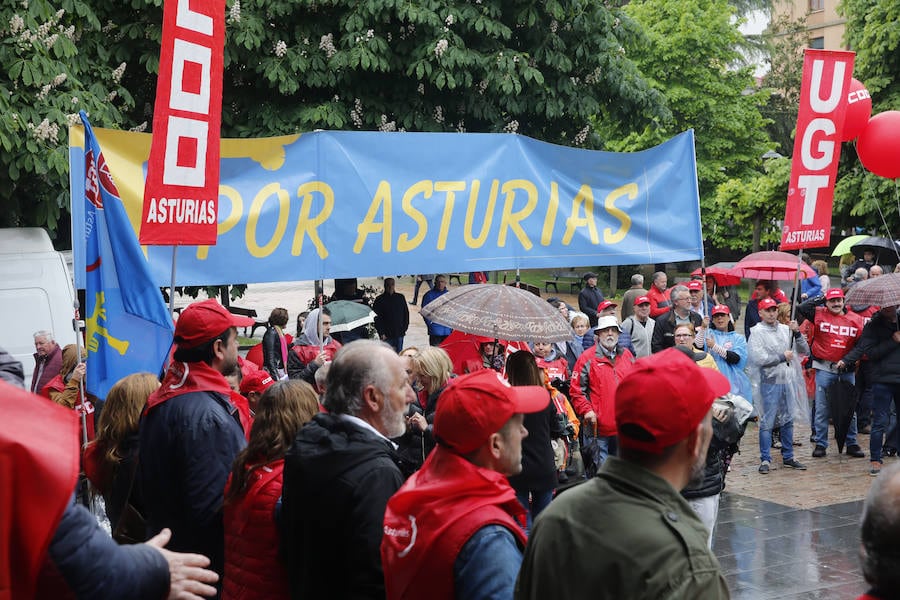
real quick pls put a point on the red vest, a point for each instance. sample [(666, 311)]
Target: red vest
[(834, 335), (557, 368), (433, 515), (252, 567)]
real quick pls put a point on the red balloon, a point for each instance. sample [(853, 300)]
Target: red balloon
[(859, 109), (878, 145)]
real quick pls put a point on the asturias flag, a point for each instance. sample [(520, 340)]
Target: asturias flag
[(129, 329)]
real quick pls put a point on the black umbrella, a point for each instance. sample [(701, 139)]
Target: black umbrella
[(885, 250), (842, 398), (590, 451)]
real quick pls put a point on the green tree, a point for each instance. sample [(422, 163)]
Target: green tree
[(53, 65), (692, 58), (873, 33)]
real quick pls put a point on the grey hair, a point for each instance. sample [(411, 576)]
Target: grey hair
[(44, 334), (657, 274), (357, 365), (880, 554), (637, 279), (679, 289)]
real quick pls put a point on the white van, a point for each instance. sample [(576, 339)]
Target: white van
[(36, 293)]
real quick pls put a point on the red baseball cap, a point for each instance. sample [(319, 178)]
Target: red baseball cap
[(834, 293), (257, 381), (203, 321), (475, 406), (766, 304), (695, 285), (720, 309), (663, 399), (641, 300), (605, 304)]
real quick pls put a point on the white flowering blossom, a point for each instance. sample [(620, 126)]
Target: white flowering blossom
[(280, 48), (45, 131), (441, 47), (511, 127), (16, 24), (112, 96), (139, 128), (482, 86), (327, 45), (581, 136), (554, 25), (387, 125), (72, 119), (356, 113), (449, 20), (234, 15), (460, 127), (593, 77), (439, 114), (59, 80), (118, 72), (74, 100), (421, 89)]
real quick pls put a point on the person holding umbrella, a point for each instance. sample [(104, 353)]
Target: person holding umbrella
[(313, 347), (834, 333), (771, 348), (729, 349)]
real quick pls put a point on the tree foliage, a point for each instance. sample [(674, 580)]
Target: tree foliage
[(692, 58), (53, 65)]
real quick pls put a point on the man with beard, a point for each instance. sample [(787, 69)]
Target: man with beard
[(191, 431), (628, 533), (339, 474)]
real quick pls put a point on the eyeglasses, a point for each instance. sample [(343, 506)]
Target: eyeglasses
[(684, 335)]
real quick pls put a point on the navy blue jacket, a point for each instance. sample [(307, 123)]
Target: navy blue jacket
[(188, 444)]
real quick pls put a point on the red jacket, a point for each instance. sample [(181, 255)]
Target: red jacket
[(307, 354), (659, 301), (556, 368), (833, 336), (252, 567), (594, 383), (433, 515)]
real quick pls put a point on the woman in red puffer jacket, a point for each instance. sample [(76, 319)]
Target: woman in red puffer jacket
[(253, 491)]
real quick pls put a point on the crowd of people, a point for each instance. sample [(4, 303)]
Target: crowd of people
[(369, 469)]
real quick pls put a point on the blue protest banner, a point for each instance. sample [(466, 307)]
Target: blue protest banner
[(353, 204)]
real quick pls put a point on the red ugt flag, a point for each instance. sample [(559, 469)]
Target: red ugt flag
[(817, 148)]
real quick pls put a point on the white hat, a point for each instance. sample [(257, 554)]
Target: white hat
[(606, 322)]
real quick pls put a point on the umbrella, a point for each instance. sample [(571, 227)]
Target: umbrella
[(347, 315), (881, 247), (464, 349), (771, 264), (499, 312), (877, 291), (845, 244), (720, 272), (841, 396)]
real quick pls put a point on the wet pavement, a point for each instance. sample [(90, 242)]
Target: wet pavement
[(789, 534), (768, 550)]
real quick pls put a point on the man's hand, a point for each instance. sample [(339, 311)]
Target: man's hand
[(896, 336), (79, 371), (720, 412), (590, 418), (794, 325), (188, 578), (321, 358), (788, 355), (417, 422)]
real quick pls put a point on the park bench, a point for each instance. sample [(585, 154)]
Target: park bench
[(570, 277), (457, 276), (248, 312)]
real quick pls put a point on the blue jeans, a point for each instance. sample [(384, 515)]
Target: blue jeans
[(538, 502), (823, 380), (775, 403), (395, 343), (883, 395)]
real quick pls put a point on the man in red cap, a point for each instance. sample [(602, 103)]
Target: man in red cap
[(773, 365), (695, 288), (628, 533), (253, 386), (455, 528), (191, 431), (639, 327), (834, 333)]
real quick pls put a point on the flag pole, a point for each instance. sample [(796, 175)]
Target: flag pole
[(796, 292), (172, 286)]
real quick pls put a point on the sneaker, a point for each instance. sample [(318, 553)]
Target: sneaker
[(798, 443), (792, 463), (889, 451), (819, 452), (876, 469), (854, 451), (776, 444), (764, 467)]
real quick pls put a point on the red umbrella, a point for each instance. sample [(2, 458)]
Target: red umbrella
[(464, 350), (720, 274), (771, 264)]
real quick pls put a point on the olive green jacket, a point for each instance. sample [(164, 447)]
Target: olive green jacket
[(625, 534)]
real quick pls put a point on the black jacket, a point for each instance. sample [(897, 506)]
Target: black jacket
[(877, 343), (664, 330), (11, 370), (338, 478), (271, 347), (187, 446), (538, 462), (391, 315), (588, 300), (94, 566), (725, 437)]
